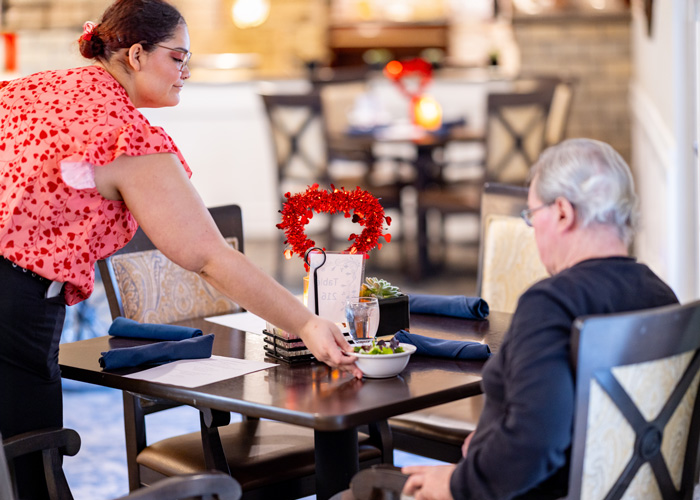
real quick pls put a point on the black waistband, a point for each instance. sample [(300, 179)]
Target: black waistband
[(9, 263)]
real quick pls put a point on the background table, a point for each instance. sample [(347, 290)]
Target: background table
[(312, 395)]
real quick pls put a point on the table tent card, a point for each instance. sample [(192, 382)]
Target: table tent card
[(339, 278)]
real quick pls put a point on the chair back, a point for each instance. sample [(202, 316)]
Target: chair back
[(637, 417), (559, 112), (515, 132), (297, 133), (509, 262), (144, 285), (53, 444)]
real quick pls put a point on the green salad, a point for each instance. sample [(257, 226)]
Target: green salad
[(381, 347)]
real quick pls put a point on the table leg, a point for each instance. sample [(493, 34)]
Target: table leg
[(426, 171), (337, 461)]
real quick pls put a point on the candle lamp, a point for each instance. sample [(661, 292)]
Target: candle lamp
[(427, 112)]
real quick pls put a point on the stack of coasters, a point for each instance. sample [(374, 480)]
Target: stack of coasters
[(284, 346)]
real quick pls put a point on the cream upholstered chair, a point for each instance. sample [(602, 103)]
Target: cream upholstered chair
[(509, 262), (143, 285), (637, 420), (508, 265), (54, 444)]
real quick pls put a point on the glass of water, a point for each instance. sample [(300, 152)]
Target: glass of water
[(362, 314)]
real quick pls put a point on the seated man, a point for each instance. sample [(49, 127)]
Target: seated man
[(583, 208)]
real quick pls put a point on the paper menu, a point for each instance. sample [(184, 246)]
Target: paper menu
[(339, 277)]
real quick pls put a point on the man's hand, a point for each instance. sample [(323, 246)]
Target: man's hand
[(429, 482), (465, 445)]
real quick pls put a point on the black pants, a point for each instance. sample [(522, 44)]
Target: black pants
[(30, 379)]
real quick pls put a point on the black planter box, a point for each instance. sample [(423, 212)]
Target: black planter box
[(393, 315)]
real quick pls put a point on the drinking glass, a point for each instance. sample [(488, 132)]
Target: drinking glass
[(362, 314)]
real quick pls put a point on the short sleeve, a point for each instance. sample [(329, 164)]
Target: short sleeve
[(77, 170)]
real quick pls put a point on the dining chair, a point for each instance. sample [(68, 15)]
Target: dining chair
[(508, 265), (637, 413), (517, 130), (144, 285), (54, 444), (305, 155)]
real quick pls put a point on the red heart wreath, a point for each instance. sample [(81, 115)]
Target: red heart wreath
[(396, 71), (299, 209)]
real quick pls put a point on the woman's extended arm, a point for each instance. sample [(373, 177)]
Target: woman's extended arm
[(166, 205)]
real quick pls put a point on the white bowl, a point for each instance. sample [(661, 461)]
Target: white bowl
[(384, 365)]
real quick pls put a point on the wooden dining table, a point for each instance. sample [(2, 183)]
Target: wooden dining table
[(313, 395)]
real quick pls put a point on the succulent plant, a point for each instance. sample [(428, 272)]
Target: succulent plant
[(382, 289)]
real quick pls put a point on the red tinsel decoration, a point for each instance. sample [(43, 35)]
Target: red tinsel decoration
[(396, 71), (366, 210)]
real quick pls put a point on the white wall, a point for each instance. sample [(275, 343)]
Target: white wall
[(663, 123)]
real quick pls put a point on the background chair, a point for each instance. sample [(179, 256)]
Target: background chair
[(519, 125), (306, 152), (508, 265), (54, 444), (637, 417), (142, 284)]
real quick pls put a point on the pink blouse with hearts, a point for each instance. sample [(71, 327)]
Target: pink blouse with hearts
[(55, 128)]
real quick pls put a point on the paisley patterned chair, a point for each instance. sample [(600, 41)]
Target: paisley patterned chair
[(508, 265), (143, 285), (637, 418)]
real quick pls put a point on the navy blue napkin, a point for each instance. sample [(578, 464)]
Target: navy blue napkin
[(122, 327), (161, 352), (458, 306), (455, 349)]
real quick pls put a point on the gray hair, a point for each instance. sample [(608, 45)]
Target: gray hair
[(594, 178)]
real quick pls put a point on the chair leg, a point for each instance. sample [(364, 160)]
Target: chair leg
[(214, 456), (135, 433), (381, 437)]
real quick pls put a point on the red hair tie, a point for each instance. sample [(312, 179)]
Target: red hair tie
[(88, 29)]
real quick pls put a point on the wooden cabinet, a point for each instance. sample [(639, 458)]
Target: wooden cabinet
[(348, 42)]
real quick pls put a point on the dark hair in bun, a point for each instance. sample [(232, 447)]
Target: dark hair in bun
[(127, 22)]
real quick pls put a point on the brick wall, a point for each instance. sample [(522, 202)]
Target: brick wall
[(595, 50)]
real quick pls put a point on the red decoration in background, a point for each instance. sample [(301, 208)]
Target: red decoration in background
[(10, 40), (396, 71), (366, 210)]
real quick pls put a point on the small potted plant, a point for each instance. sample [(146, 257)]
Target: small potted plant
[(393, 305)]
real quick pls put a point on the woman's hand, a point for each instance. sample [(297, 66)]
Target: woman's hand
[(325, 340), (429, 482), (164, 202)]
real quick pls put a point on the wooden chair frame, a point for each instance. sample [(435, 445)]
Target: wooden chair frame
[(54, 444), (601, 343)]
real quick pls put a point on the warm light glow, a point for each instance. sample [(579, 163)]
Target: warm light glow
[(393, 67), (427, 113), (250, 13), (305, 296)]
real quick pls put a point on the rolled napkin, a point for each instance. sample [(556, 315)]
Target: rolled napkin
[(455, 349), (161, 352), (458, 306), (123, 327)]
